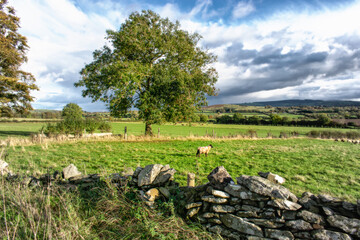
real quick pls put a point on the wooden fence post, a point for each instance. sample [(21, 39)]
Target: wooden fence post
[(191, 180), (125, 133), (158, 132)]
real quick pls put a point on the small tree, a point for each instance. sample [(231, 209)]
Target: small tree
[(323, 119), (153, 66), (72, 112), (15, 84), (204, 118)]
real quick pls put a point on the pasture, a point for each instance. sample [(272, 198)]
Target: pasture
[(318, 166), (25, 129)]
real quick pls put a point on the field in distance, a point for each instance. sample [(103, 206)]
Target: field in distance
[(25, 129)]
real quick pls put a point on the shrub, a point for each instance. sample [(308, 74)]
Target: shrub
[(203, 118), (104, 126)]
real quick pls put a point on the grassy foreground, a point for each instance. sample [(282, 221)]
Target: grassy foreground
[(318, 166)]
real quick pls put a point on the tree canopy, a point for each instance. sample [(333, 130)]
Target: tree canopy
[(72, 111), (15, 84), (152, 65)]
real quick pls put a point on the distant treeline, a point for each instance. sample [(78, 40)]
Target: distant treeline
[(273, 119)]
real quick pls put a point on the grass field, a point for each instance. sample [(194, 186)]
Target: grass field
[(318, 166), (183, 130), (104, 212)]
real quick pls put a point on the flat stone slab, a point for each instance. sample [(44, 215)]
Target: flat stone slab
[(148, 174), (329, 235), (348, 225), (284, 204), (265, 187), (240, 225), (71, 171), (219, 178)]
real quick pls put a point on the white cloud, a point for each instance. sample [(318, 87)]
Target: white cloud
[(242, 9), (62, 37)]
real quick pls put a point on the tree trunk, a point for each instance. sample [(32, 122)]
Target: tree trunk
[(148, 129)]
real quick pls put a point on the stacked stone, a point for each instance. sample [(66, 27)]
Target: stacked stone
[(153, 182), (257, 208)]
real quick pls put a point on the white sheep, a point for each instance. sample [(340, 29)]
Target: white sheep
[(203, 150)]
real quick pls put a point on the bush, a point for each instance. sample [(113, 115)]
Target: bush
[(105, 126), (203, 118)]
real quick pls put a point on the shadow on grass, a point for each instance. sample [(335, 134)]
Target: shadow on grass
[(15, 133)]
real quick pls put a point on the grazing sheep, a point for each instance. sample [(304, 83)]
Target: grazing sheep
[(203, 150)]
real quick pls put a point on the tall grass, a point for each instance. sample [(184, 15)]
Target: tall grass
[(97, 212)]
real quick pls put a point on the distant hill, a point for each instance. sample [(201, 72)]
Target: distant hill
[(297, 103)]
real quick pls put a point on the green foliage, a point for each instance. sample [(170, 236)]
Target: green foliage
[(204, 118), (15, 84), (152, 65), (76, 127), (323, 119), (72, 112)]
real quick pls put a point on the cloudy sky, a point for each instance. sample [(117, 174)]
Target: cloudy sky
[(267, 49)]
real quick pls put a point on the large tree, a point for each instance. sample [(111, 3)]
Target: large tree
[(154, 66), (15, 84)]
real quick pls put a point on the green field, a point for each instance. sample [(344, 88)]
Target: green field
[(318, 166), (183, 130)]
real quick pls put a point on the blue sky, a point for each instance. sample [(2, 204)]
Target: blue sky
[(267, 49)]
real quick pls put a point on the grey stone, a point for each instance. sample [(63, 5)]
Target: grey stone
[(278, 234), (192, 212), (311, 217), (289, 215), (308, 203), (272, 177), (266, 223), (213, 199), (165, 192), (148, 174), (241, 192), (193, 205), (3, 167), (215, 220), (223, 209), (348, 225), (234, 201), (329, 235), (219, 178), (358, 206), (328, 211), (299, 225), (327, 199), (284, 204), (216, 229), (90, 178), (166, 174), (71, 171), (265, 187), (220, 194), (137, 171), (210, 215), (303, 235), (349, 206), (269, 213), (247, 214), (249, 208), (240, 225)]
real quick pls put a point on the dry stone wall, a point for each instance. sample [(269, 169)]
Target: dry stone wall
[(255, 207)]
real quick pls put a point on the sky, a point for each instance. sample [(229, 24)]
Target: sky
[(267, 49)]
